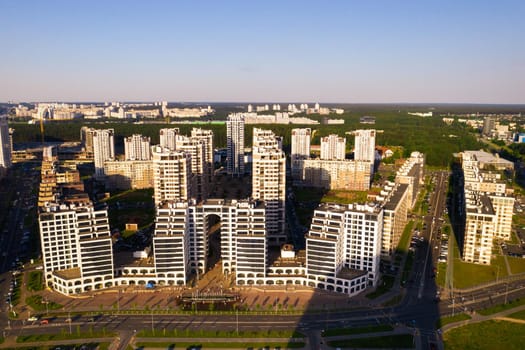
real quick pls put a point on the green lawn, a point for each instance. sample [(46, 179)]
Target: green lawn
[(35, 281), (219, 334), (486, 335), (502, 307), (120, 217), (403, 341), (37, 304), (517, 265), (513, 238), (468, 275), (451, 319), (131, 196), (76, 334), (308, 194), (349, 331), (204, 345), (441, 274), (344, 197), (404, 241)]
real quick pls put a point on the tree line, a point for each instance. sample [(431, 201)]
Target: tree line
[(437, 140)]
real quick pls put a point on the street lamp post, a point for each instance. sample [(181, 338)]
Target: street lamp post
[(118, 301), (152, 329), (237, 320)]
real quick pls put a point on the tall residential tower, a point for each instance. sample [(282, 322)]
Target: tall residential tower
[(235, 143), (269, 181), (333, 147), (5, 144), (137, 147), (103, 148)]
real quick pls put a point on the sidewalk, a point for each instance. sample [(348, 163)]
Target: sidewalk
[(476, 318)]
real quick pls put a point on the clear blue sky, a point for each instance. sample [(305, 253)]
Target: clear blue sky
[(326, 51)]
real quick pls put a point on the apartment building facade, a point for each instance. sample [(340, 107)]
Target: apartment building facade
[(235, 144)]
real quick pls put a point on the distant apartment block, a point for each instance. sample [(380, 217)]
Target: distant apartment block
[(171, 175), (196, 150), (489, 126), (128, 174), (301, 143), (86, 138), (5, 146), (300, 148), (206, 136), (333, 174), (364, 145), (366, 119), (235, 144), (103, 148), (137, 147), (168, 138), (333, 147)]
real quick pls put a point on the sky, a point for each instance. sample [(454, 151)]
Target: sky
[(391, 51)]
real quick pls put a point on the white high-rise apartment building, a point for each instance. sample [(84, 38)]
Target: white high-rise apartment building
[(301, 143), (76, 247), (395, 207), (479, 229), (488, 209), (171, 175), (5, 144), (196, 149), (235, 144), (137, 147), (168, 137), (86, 137), (300, 149), (207, 137), (344, 242), (333, 147), (412, 174), (365, 145), (103, 148), (181, 239), (269, 181)]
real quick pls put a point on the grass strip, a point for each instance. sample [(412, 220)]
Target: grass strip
[(229, 345), (64, 335), (361, 330), (502, 307), (402, 341), (485, 335), (202, 333), (451, 319)]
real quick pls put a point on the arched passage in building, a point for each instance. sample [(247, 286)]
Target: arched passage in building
[(212, 226)]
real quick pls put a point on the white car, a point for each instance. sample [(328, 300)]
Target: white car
[(32, 319)]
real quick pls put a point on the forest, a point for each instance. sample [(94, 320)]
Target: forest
[(437, 140)]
